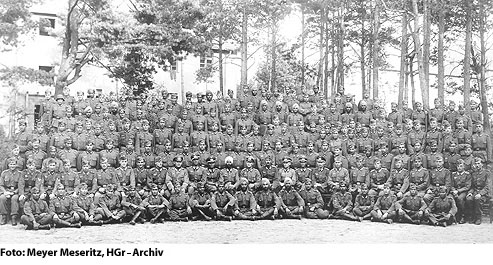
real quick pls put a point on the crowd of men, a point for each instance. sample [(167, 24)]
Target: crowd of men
[(100, 160)]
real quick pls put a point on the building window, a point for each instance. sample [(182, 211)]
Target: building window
[(173, 66), (45, 24), (205, 61), (46, 68)]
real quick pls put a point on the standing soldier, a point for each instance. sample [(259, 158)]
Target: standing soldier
[(65, 209), (442, 209), (177, 177), (411, 207), (481, 144), (291, 203), (200, 202), (211, 175), (439, 177), (399, 179), (478, 195), (384, 208), (36, 154), (155, 204), (282, 173), (420, 177), (461, 184), (245, 203), (252, 175), (378, 177), (229, 175), (11, 191), (124, 175), (222, 203), (37, 214)]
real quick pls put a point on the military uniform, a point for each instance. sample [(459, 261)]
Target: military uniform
[(245, 205), (291, 203), (39, 212), (11, 187), (385, 204), (411, 208), (65, 211), (179, 209), (439, 208)]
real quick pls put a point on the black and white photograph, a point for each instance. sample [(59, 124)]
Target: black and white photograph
[(163, 122)]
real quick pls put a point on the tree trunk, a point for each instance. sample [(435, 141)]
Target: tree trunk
[(406, 83), (332, 53), (321, 53), (274, 58), (302, 45), (411, 76), (376, 48), (326, 59), (402, 71), (244, 46), (425, 92), (441, 67), (362, 50), (467, 59), (340, 50), (221, 72), (419, 55)]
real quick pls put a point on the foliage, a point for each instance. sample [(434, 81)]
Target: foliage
[(15, 20), (157, 34)]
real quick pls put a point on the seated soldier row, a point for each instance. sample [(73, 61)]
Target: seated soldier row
[(469, 191)]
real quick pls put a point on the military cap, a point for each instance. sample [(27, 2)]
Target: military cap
[(60, 96), (286, 159), (195, 157), (249, 159), (154, 187), (34, 190), (178, 158), (321, 159), (211, 159), (200, 184), (302, 158), (158, 159)]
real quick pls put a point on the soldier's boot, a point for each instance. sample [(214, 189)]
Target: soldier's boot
[(76, 225), (206, 218), (136, 215), (44, 227), (61, 223), (293, 216), (3, 219), (95, 223), (14, 219)]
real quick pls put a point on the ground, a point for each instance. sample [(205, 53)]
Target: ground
[(279, 231)]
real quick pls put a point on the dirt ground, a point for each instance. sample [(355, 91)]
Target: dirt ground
[(279, 231)]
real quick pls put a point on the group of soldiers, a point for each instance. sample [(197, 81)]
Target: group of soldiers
[(99, 160)]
